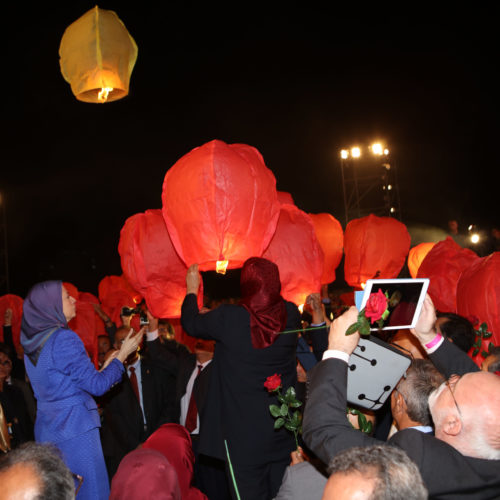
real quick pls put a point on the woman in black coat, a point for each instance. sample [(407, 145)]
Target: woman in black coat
[(249, 348)]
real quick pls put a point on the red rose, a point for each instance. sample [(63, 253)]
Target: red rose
[(376, 305), (273, 383)]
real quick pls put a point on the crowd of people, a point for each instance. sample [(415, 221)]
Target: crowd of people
[(158, 420)]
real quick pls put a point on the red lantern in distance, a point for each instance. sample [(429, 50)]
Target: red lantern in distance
[(15, 303), (297, 253), (331, 238), (220, 205), (151, 264), (416, 255), (478, 295), (443, 265), (375, 248)]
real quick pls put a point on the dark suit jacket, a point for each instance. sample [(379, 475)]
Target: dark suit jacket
[(123, 425), (237, 406), (446, 473)]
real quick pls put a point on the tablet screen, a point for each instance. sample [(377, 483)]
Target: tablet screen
[(406, 297)]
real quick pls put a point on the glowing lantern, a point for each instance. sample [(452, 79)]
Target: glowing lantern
[(297, 253), (14, 303), (374, 247), (444, 264), (478, 294), (151, 264), (114, 293), (97, 56), (416, 255), (220, 204), (285, 198), (83, 324), (331, 238)]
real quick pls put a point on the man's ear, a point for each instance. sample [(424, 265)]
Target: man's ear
[(451, 424)]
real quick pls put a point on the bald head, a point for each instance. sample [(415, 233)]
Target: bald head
[(471, 425)]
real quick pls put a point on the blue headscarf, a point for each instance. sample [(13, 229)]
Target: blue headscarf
[(42, 316)]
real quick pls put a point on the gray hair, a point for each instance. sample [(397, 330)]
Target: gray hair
[(56, 479), (396, 476), (421, 379), (495, 353)]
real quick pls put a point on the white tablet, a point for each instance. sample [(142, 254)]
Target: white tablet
[(406, 297)]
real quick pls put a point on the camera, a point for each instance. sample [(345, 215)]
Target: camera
[(130, 311)]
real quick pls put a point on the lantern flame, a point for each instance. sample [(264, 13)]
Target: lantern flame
[(102, 96), (221, 266)]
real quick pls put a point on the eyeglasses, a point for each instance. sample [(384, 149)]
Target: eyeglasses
[(78, 479), (454, 380)]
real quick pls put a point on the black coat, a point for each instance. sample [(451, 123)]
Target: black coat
[(446, 473), (123, 425), (237, 406)]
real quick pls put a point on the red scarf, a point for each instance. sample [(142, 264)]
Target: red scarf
[(260, 296)]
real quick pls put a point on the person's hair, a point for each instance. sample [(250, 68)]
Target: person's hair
[(56, 480), (7, 350), (421, 379), (458, 329), (396, 476), (494, 365)]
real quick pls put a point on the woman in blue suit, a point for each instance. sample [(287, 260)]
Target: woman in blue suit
[(64, 379)]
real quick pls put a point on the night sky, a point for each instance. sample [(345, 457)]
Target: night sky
[(297, 83)]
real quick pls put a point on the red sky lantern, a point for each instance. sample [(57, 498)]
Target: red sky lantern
[(331, 238), (417, 255), (297, 253), (443, 265), (374, 247), (285, 198), (92, 299), (151, 264), (220, 205), (478, 295), (10, 301), (115, 293)]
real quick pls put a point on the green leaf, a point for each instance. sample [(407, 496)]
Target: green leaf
[(478, 343), (275, 410), (290, 395), (487, 335), (385, 314), (289, 426), (281, 398), (296, 418), (475, 351), (483, 327), (279, 423), (352, 329), (484, 354), (296, 404), (364, 330), (284, 410), (490, 346)]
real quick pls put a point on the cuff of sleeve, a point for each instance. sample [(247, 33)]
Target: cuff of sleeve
[(150, 336), (434, 344), (332, 353), (323, 323)]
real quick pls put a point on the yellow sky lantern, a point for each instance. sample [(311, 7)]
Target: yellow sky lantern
[(97, 56)]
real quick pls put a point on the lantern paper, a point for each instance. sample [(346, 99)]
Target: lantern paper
[(115, 293), (92, 299), (97, 56), (297, 253), (375, 248), (15, 303), (72, 290), (285, 198), (416, 256), (478, 294), (151, 264), (443, 265), (331, 239), (220, 204)]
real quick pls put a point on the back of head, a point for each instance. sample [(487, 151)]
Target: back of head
[(145, 475), (458, 329), (421, 379), (259, 276), (39, 469), (390, 471), (492, 362)]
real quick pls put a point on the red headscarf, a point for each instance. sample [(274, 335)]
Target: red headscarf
[(260, 296), (174, 442), (143, 475)]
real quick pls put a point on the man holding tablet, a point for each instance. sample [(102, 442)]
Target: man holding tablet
[(463, 460)]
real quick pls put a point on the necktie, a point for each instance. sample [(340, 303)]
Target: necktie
[(133, 381), (192, 412)]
